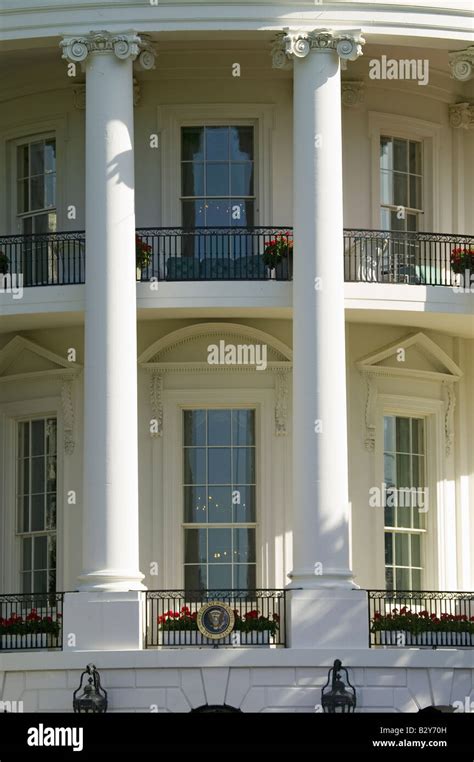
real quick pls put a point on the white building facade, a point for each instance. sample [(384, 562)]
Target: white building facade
[(236, 352)]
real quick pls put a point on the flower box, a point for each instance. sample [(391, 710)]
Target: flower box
[(31, 640), (402, 638), (183, 638), (252, 638)]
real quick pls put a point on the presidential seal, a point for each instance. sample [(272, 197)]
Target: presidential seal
[(215, 620)]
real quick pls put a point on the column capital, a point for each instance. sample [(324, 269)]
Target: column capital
[(461, 63), (291, 44), (76, 48), (462, 115)]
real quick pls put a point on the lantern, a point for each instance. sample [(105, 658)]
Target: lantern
[(93, 699), (338, 698)]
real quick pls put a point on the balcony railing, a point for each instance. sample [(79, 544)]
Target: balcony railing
[(172, 618), (31, 621), (421, 618), (381, 256), (236, 254)]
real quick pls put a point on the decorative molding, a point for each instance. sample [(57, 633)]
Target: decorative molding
[(449, 405), (461, 63), (129, 45), (352, 92), (298, 44), (370, 404), (156, 402), (204, 367), (281, 402), (67, 404), (462, 115), (19, 344), (79, 92)]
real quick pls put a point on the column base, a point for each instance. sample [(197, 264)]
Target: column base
[(103, 621), (328, 618), (119, 581)]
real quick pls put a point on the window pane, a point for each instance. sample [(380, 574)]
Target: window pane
[(52, 563), (402, 577), (195, 545), (243, 465), (403, 513), (388, 548), (418, 470), (415, 158), (27, 558), (389, 516), (24, 476), (243, 427), (40, 552), (389, 579), (386, 188), (217, 143), (37, 431), (37, 158), (23, 439), (415, 192), (220, 576), (415, 550), (22, 161), (51, 511), (37, 513), (220, 504), (417, 435), (51, 474), (50, 190), (245, 215), (416, 579), (51, 431), (403, 435), (412, 223), (50, 156), (402, 552), (244, 545), (37, 193), (37, 475), (194, 214), (244, 503), (195, 578), (218, 427), (400, 189), (241, 143), (192, 179), (218, 212), (24, 514), (217, 180), (26, 582), (220, 549), (400, 155), (40, 582), (241, 179), (386, 161), (194, 427), (396, 223), (194, 465), (194, 504), (245, 577), (192, 143), (389, 433), (219, 465)]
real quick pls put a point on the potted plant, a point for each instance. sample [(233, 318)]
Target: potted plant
[(179, 628), (4, 263), (32, 631), (143, 254), (462, 259), (278, 253), (403, 627), (254, 629)]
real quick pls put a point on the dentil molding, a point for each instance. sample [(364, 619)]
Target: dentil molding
[(461, 63), (128, 45), (298, 44), (462, 115)]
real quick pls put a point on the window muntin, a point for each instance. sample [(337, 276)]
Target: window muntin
[(217, 176), (219, 488), (400, 183), (405, 498), (37, 503)]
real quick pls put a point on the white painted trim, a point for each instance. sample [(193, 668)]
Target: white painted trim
[(10, 414), (428, 347), (268, 477), (171, 117), (409, 128)]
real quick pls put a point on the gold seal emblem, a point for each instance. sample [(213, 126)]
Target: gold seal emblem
[(215, 620)]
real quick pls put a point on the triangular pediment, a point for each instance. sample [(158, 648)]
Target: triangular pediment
[(22, 358), (416, 355)]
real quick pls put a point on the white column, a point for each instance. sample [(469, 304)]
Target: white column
[(110, 504), (321, 521)]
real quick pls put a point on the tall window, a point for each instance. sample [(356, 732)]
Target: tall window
[(219, 499), (36, 503), (400, 183), (36, 208), (405, 501), (217, 176)]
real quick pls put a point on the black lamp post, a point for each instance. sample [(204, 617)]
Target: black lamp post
[(93, 699), (338, 698)]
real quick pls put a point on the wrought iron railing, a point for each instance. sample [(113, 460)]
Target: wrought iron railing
[(235, 253), (44, 259), (31, 621), (219, 253), (172, 617), (382, 256), (434, 619)]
